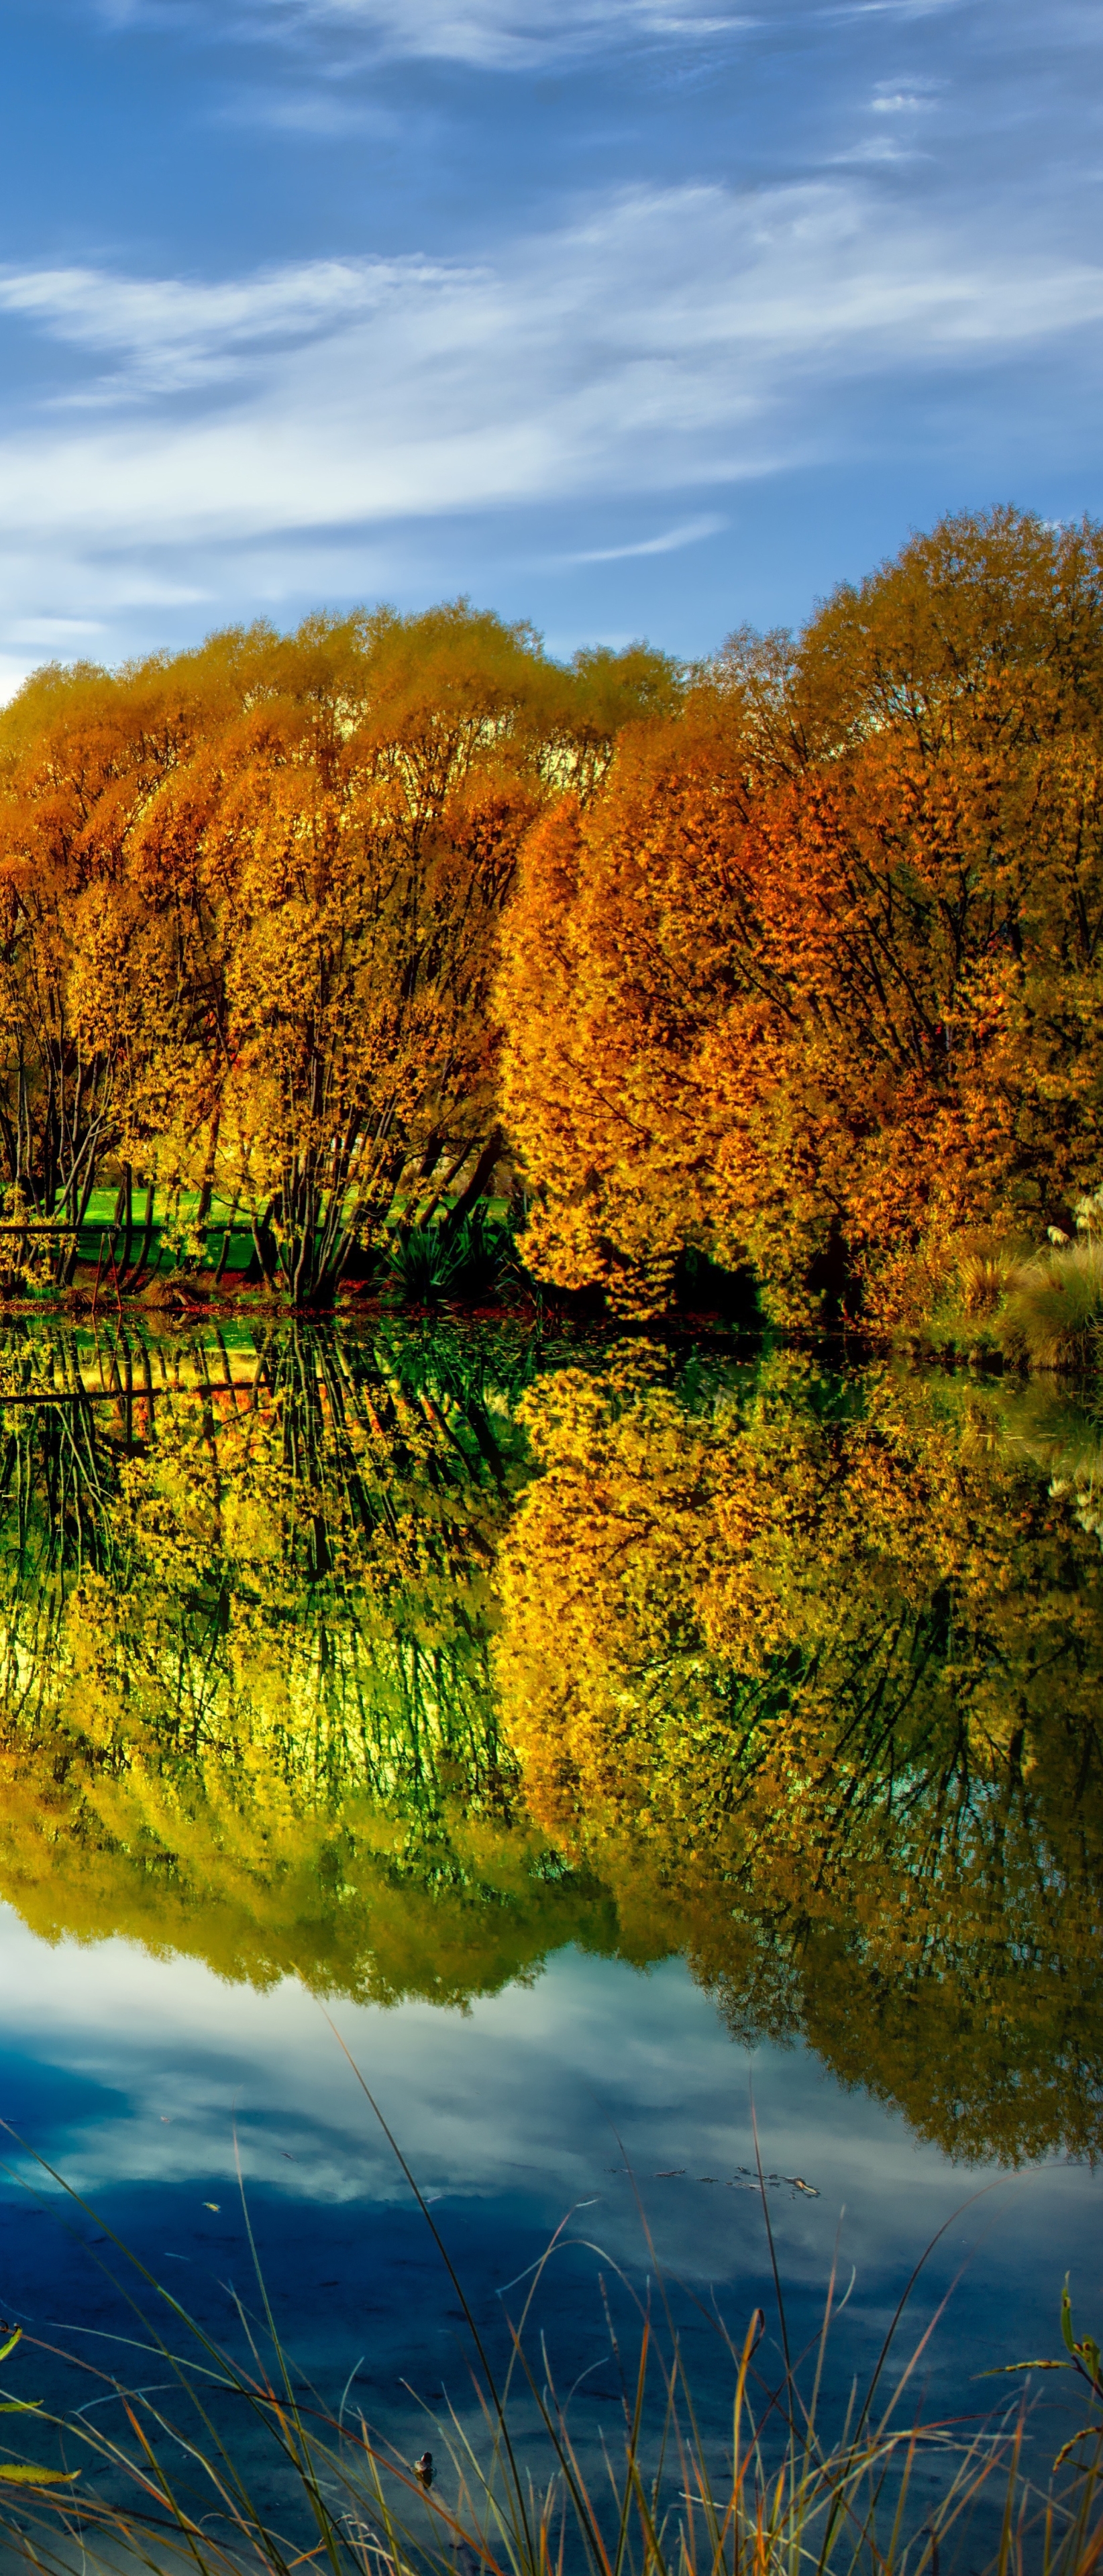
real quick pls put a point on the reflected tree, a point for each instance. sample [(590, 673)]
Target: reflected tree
[(808, 1669), (396, 1659), (246, 1626)]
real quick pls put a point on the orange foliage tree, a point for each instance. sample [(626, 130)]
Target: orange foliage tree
[(249, 901), (815, 980)]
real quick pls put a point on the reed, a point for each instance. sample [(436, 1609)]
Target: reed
[(196, 2459)]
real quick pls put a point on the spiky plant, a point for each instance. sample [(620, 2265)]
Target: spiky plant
[(989, 1268), (439, 1260)]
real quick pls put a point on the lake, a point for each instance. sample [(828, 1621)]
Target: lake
[(616, 1747)]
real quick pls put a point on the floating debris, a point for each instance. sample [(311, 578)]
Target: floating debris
[(755, 2182)]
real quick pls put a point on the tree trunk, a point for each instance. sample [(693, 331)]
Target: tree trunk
[(130, 1278), (469, 1198)]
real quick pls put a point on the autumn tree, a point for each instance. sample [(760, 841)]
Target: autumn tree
[(363, 878), (102, 1014), (815, 980), (249, 900)]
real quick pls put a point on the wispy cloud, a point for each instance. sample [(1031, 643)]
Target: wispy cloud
[(171, 334), (662, 328), (690, 533), (899, 102), (661, 341), (507, 35)]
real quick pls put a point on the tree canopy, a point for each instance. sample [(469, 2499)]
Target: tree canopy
[(249, 900), (815, 979)]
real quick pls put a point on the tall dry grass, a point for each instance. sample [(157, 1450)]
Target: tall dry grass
[(224, 2465)]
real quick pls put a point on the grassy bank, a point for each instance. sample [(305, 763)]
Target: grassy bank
[(172, 1253)]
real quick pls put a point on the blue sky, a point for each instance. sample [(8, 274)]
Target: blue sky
[(630, 316)]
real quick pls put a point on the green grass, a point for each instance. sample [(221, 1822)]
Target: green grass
[(99, 1228), (430, 1262)]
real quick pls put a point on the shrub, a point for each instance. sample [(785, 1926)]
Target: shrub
[(1054, 1311)]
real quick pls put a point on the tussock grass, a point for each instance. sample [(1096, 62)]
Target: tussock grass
[(1001, 1297), (963, 1287), (989, 1268), (1054, 1309)]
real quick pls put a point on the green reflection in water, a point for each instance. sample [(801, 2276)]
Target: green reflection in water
[(247, 1605), (398, 1660)]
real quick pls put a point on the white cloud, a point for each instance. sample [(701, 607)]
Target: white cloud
[(171, 334), (506, 35), (690, 533), (662, 340)]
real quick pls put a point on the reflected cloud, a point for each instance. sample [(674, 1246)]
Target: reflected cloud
[(595, 2064)]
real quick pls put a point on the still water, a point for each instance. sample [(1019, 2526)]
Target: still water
[(611, 1747)]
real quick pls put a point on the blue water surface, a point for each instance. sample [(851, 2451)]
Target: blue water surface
[(220, 2133)]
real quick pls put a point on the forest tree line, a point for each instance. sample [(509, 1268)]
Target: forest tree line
[(791, 957)]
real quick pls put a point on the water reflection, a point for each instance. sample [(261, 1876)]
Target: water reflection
[(247, 1601), (811, 1671), (402, 1660)]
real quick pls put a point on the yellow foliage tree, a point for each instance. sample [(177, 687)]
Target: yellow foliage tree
[(809, 1676)]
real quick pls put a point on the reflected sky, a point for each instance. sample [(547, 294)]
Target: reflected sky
[(147, 2082)]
